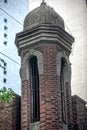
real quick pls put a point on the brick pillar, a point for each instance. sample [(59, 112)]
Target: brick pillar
[(25, 107), (50, 97), (69, 105)]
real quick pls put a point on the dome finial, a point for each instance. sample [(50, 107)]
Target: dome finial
[(43, 2)]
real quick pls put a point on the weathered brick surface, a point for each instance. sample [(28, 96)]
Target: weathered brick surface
[(79, 113), (69, 105), (10, 115), (50, 94), (25, 105), (49, 43)]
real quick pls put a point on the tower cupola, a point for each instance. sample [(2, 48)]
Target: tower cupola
[(44, 47), (43, 14)]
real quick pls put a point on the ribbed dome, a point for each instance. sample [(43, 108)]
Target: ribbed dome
[(43, 14)]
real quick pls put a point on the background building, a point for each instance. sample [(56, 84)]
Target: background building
[(79, 113), (12, 14), (74, 13)]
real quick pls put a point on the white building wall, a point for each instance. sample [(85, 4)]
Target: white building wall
[(77, 22), (14, 11), (74, 13)]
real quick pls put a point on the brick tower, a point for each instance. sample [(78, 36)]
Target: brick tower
[(44, 47)]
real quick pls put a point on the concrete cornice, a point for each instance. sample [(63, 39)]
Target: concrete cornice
[(44, 33)]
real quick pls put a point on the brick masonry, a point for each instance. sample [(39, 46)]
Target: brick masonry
[(25, 105), (79, 110), (44, 38), (10, 115), (50, 94), (50, 98)]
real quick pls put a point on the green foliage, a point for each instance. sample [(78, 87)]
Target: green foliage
[(6, 95)]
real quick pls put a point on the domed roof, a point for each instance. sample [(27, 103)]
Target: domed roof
[(43, 14)]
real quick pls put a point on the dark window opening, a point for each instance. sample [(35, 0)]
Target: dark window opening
[(5, 42), (5, 1), (5, 72), (4, 80), (5, 20), (5, 27), (5, 64), (35, 90), (62, 91), (5, 35)]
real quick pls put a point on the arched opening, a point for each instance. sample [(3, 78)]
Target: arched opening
[(35, 101), (62, 80)]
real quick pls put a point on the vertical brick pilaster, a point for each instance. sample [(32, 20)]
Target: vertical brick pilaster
[(25, 104), (50, 97), (69, 105)]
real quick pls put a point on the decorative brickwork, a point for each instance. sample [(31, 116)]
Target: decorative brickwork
[(79, 113), (10, 115)]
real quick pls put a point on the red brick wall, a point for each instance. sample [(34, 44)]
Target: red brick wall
[(10, 115), (79, 113), (25, 105), (50, 94)]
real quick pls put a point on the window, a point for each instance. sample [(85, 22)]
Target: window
[(5, 20), (62, 91), (35, 89), (5, 42), (5, 1), (5, 27), (5, 72), (4, 80), (5, 64), (5, 35)]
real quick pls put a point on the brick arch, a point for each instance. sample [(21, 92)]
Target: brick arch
[(25, 63), (67, 67)]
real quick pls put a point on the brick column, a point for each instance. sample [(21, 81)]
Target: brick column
[(50, 97), (25, 105)]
